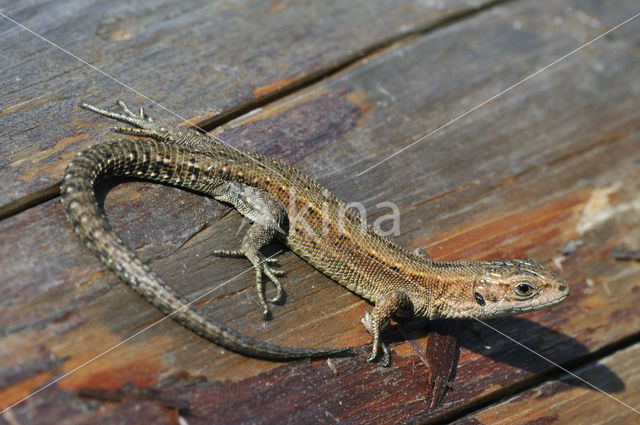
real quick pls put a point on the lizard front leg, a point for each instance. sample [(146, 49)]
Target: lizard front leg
[(386, 306)]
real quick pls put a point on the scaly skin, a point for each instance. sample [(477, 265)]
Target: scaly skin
[(284, 203)]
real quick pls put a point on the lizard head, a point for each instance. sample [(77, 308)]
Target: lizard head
[(516, 286)]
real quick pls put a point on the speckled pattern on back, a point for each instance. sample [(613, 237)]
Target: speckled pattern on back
[(318, 227)]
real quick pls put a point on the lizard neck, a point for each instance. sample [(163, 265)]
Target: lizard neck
[(450, 288)]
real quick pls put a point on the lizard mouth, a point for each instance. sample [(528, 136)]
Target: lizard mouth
[(542, 302), (506, 307)]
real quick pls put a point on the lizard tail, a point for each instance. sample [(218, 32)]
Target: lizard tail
[(130, 158)]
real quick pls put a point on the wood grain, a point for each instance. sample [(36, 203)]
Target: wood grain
[(200, 60), (553, 161), (568, 400)]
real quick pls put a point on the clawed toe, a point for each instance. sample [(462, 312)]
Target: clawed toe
[(271, 274), (276, 298), (374, 328), (142, 116), (386, 359), (269, 262), (126, 110), (145, 116), (263, 267)]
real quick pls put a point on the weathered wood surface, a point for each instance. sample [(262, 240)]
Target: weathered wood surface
[(198, 59), (564, 401), (555, 160)]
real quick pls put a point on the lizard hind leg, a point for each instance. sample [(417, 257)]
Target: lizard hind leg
[(378, 319), (143, 125), (264, 267), (268, 218)]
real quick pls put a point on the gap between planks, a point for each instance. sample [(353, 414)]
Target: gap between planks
[(298, 84), (505, 393)]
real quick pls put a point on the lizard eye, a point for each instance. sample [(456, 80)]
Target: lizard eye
[(525, 290)]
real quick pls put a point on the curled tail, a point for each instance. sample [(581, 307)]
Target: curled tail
[(162, 162)]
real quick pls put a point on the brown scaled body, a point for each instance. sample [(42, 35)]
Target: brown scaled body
[(282, 202)]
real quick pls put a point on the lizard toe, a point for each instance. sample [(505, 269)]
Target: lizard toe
[(229, 253), (271, 274), (126, 110), (145, 117), (386, 358)]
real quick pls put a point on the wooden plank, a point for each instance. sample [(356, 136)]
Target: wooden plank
[(552, 162), (568, 400), (202, 59)]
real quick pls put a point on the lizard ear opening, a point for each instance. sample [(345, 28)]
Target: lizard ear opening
[(479, 299)]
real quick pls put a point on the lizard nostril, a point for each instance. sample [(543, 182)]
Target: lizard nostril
[(562, 288)]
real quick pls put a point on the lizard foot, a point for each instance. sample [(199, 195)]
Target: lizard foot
[(374, 328), (378, 319), (128, 116), (264, 267)]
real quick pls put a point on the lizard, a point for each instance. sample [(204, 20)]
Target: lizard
[(283, 203)]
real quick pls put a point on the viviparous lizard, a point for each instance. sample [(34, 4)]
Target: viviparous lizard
[(285, 204)]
